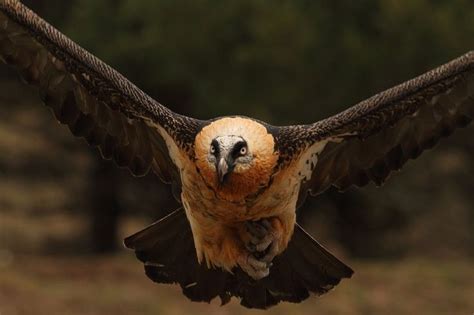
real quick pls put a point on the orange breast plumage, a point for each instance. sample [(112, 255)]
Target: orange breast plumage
[(246, 180)]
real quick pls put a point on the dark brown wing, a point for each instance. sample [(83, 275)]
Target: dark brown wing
[(94, 100), (371, 139)]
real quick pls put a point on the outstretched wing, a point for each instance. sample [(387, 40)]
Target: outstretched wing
[(371, 139), (94, 100)]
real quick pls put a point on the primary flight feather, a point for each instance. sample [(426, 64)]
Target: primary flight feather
[(239, 180)]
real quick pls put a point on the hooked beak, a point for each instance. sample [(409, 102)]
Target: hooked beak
[(222, 169)]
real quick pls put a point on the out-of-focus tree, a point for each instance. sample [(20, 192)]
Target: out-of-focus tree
[(284, 62), (281, 61)]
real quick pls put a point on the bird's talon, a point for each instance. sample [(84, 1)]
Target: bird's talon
[(255, 229), (262, 236), (250, 247), (264, 243), (270, 253), (262, 247), (266, 223), (254, 267)]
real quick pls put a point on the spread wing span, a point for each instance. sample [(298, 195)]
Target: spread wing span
[(94, 100), (377, 136)]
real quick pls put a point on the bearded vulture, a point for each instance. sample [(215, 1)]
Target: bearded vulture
[(239, 180)]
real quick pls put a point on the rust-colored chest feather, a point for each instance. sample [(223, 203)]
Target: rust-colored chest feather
[(247, 179), (239, 197), (280, 195)]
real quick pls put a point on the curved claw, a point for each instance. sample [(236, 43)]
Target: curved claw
[(262, 247), (270, 252), (262, 237), (254, 267), (256, 229)]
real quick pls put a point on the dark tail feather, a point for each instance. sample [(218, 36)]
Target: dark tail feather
[(167, 249)]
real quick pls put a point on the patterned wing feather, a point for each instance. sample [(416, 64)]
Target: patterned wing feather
[(368, 141), (94, 100)]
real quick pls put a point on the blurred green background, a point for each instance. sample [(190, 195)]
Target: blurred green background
[(63, 211)]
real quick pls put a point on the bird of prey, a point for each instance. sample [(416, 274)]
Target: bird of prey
[(239, 180)]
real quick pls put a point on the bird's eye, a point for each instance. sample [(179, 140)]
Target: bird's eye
[(243, 150), (213, 149)]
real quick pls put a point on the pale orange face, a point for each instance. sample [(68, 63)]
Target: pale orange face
[(236, 157)]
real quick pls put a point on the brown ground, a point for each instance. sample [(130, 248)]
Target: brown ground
[(116, 285)]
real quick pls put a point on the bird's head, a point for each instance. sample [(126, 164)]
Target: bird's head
[(235, 156), (229, 154)]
